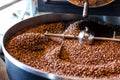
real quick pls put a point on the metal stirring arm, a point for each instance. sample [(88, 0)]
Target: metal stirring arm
[(104, 38), (78, 37), (61, 35)]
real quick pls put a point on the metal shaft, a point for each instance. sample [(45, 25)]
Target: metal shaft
[(61, 35), (76, 37), (104, 38), (85, 9)]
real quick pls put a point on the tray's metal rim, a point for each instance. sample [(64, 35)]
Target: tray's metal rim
[(92, 6)]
